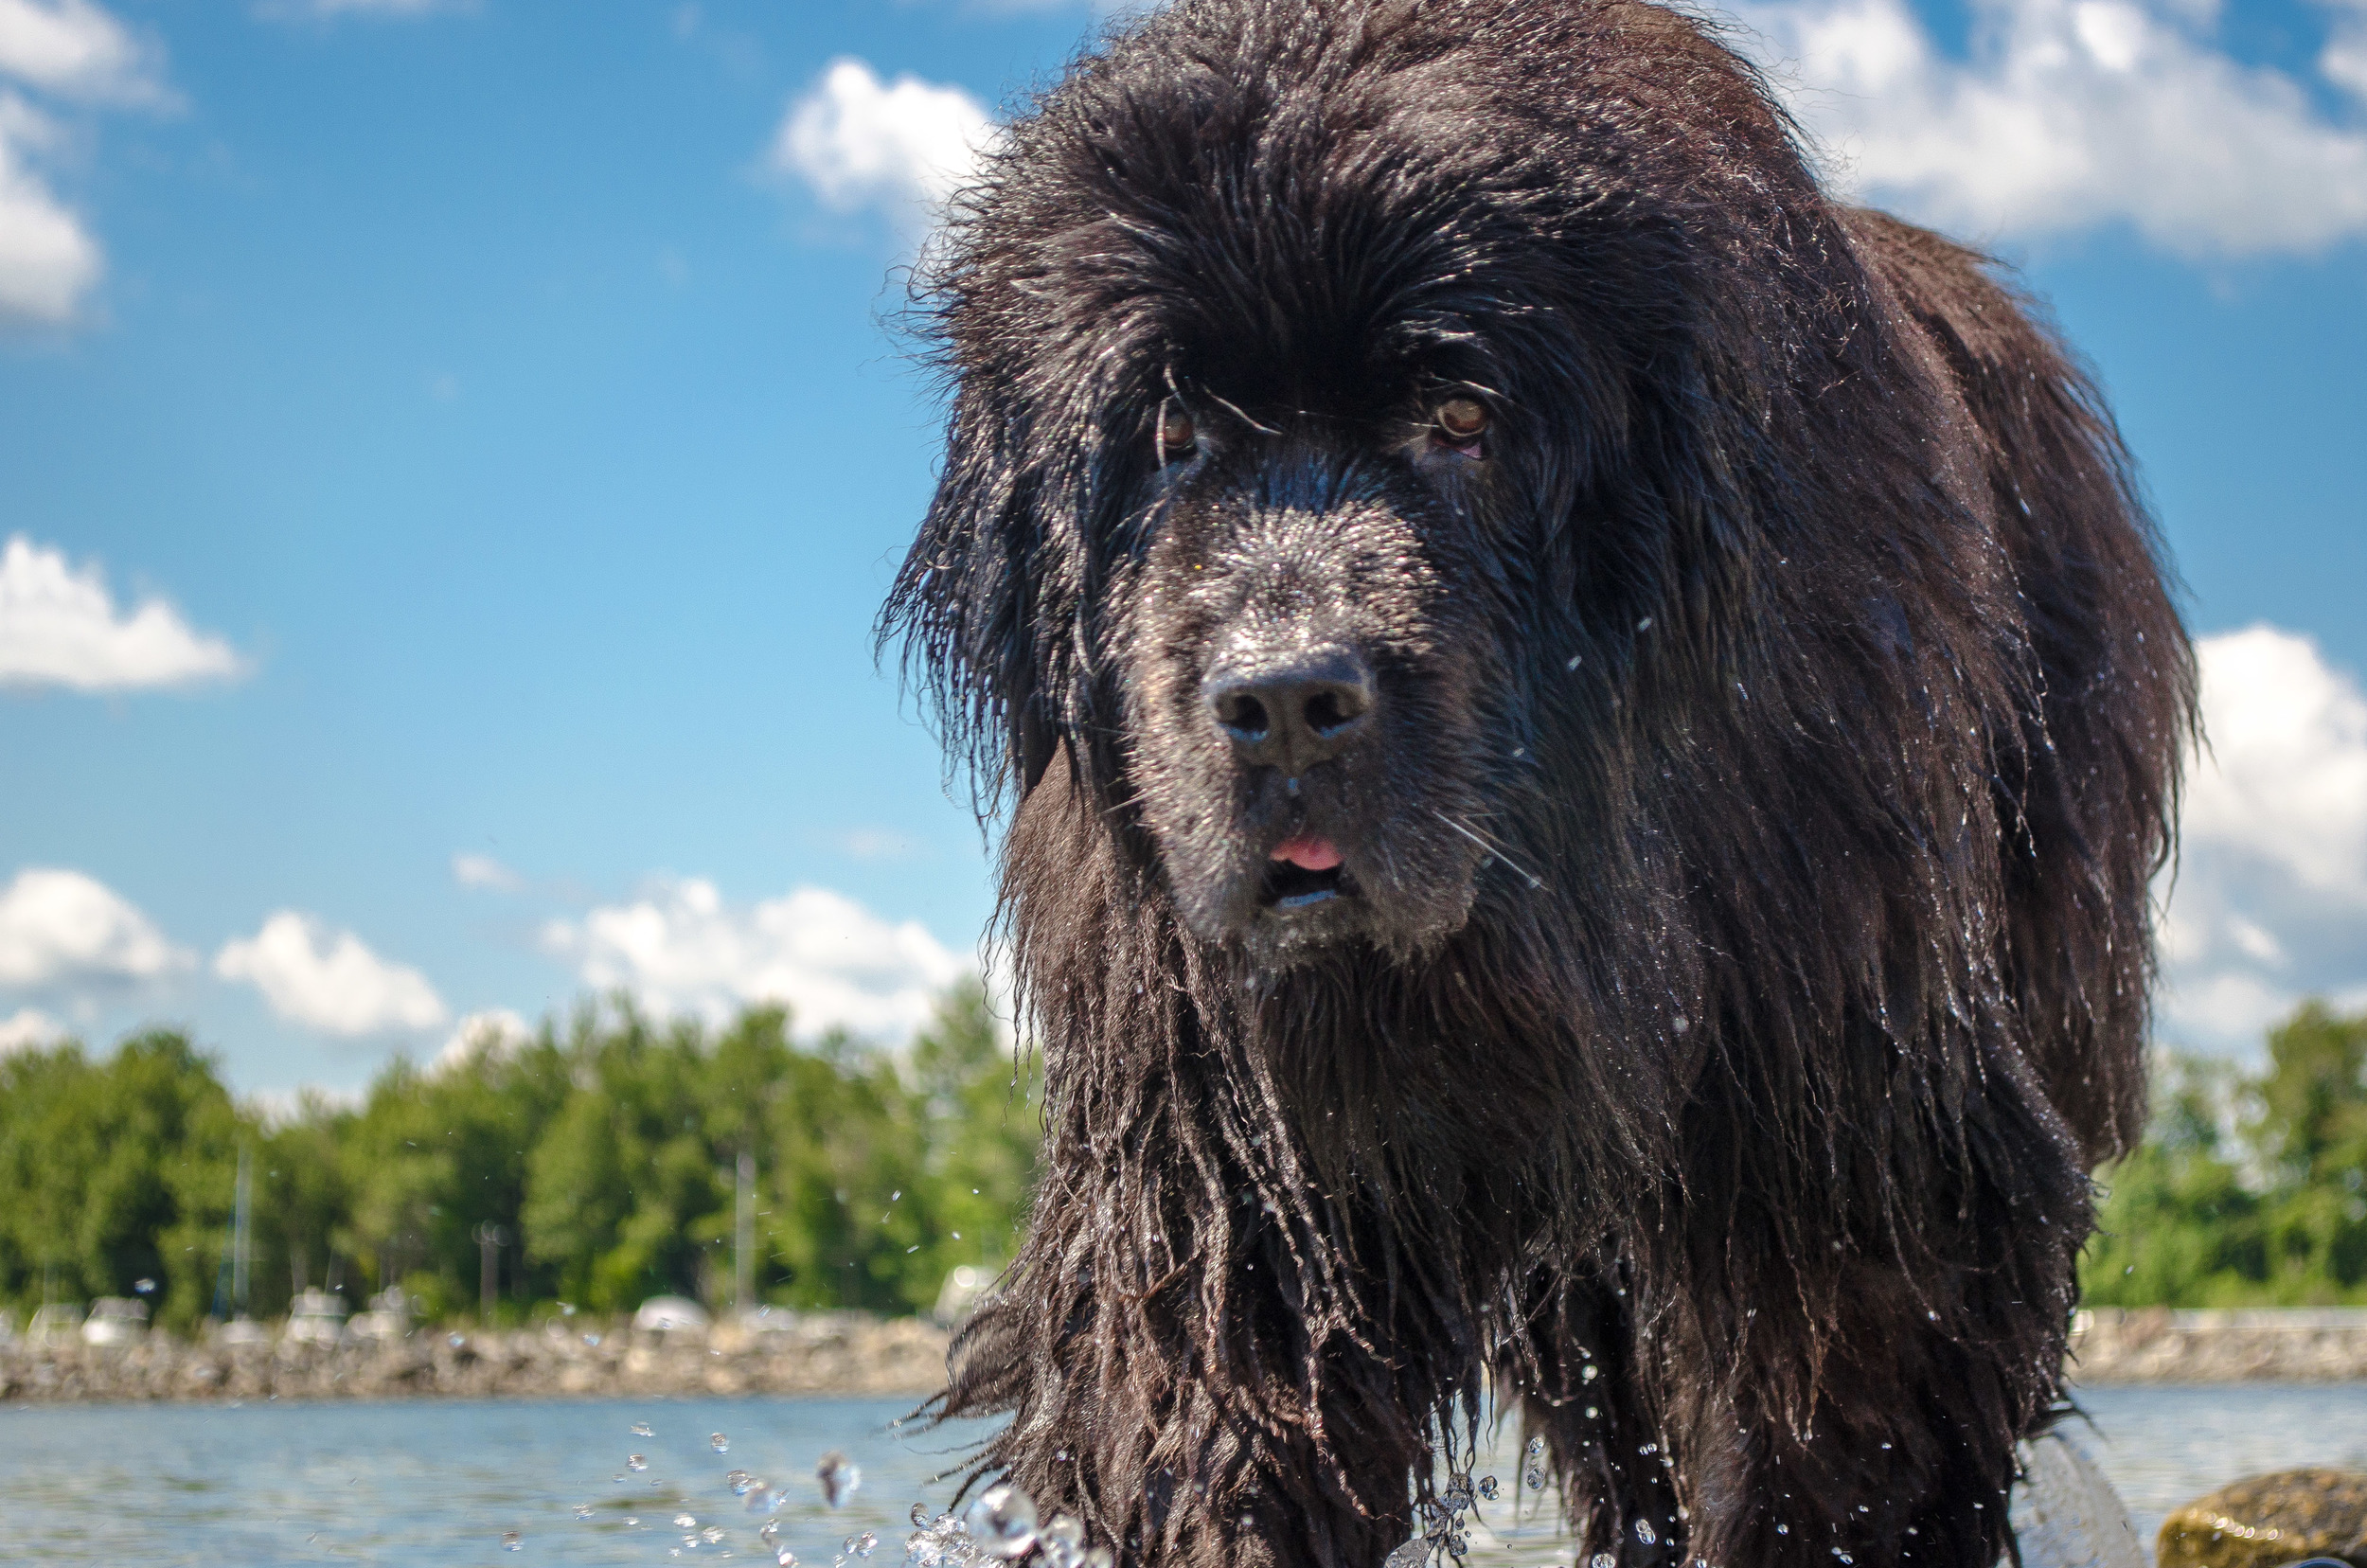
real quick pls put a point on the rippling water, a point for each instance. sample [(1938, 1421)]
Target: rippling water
[(439, 1484)]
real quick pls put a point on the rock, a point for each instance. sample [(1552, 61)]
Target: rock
[(2270, 1519), (2067, 1515)]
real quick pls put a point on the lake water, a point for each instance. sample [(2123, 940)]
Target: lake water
[(439, 1484)]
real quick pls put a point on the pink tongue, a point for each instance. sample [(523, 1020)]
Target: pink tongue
[(1308, 854)]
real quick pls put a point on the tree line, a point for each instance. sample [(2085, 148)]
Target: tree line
[(596, 1163), (598, 1160), (2251, 1187)]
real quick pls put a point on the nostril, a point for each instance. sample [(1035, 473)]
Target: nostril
[(1243, 714), (1333, 709)]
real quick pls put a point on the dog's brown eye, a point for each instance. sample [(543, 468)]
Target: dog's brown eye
[(1461, 419), (1176, 430)]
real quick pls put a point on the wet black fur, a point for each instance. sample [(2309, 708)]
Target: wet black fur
[(1779, 725)]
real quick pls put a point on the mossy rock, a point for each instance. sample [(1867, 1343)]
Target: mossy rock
[(2270, 1519)]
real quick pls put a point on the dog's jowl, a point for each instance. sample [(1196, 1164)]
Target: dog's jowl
[(1581, 731)]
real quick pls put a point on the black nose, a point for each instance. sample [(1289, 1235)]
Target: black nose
[(1291, 712)]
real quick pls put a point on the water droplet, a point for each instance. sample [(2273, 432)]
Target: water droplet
[(1644, 625), (1592, 1412), (738, 1481), (839, 1476), (1589, 1372), (866, 1543), (1643, 1532), (1458, 1494), (1062, 1541), (512, 1542), (455, 1341), (636, 1462), (1536, 1448), (1003, 1520), (583, 1510), (1842, 1556), (1575, 660), (719, 1443), (1486, 1488), (787, 1559), (566, 1309), (1535, 1476), (1603, 1560), (919, 1516), (641, 1428), (1783, 1530), (1101, 1557), (684, 1522), (591, 1340), (712, 1534)]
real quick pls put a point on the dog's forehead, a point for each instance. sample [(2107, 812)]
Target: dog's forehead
[(1293, 255)]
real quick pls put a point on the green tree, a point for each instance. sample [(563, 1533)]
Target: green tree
[(116, 1171)]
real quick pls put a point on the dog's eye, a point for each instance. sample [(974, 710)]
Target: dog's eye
[(1461, 419), (1176, 430)]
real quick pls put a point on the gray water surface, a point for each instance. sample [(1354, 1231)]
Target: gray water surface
[(437, 1485)]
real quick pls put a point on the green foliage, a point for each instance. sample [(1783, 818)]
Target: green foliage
[(2247, 1190), (601, 1158), (114, 1172)]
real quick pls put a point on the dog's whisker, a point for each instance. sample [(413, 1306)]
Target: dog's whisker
[(1537, 883)]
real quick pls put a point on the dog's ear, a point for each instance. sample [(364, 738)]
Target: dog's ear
[(967, 604)]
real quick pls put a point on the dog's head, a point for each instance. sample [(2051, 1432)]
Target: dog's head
[(1313, 409)]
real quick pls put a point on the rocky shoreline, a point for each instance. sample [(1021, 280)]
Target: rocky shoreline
[(2158, 1345), (817, 1353), (799, 1353)]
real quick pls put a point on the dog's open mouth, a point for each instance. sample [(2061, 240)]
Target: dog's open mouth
[(1303, 872)]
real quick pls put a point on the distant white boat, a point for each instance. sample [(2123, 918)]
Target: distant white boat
[(315, 1318), (670, 1314), (240, 1332), (55, 1323), (115, 1320), (389, 1317)]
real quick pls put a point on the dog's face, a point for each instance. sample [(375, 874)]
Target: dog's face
[(1292, 473), (1305, 649)]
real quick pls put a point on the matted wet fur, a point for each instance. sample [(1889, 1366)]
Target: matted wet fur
[(1748, 761)]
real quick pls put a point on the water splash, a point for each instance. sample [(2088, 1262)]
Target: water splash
[(839, 1477)]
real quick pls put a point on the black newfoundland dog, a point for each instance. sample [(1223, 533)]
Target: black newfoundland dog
[(1585, 731)]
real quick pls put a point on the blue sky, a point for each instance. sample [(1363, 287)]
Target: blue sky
[(493, 413)]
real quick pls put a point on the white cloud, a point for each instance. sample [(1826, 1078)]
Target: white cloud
[(681, 947), (2286, 778), (289, 11), (2071, 114), (2269, 904), (75, 49), (495, 1031), (62, 929), (485, 871), (29, 1028), (860, 142), (60, 627), (69, 49), (328, 980), (49, 262)]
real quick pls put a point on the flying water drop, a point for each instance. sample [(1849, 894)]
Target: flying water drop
[(839, 1477), (1003, 1520)]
